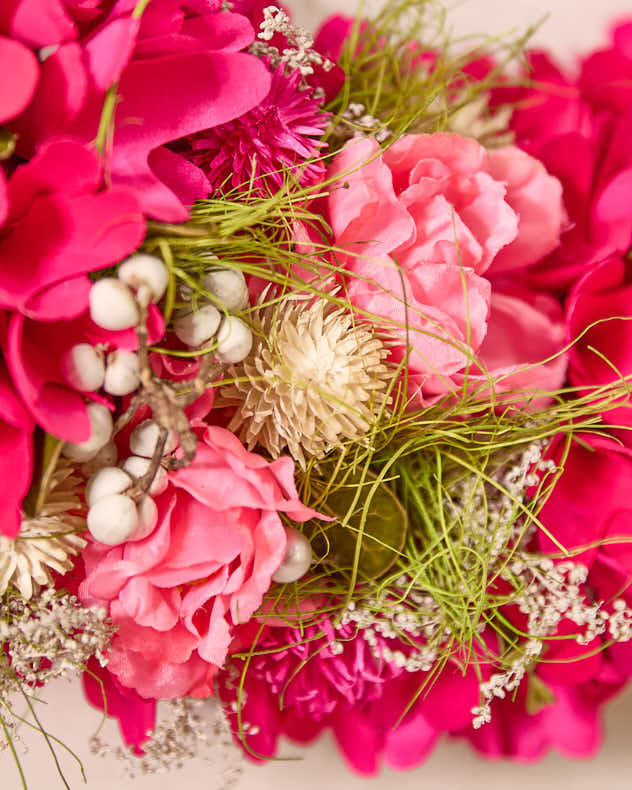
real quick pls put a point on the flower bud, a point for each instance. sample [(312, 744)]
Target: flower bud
[(112, 305)]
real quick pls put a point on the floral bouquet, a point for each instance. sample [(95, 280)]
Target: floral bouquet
[(315, 380)]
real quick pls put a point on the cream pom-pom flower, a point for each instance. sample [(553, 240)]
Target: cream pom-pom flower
[(47, 541), (315, 377)]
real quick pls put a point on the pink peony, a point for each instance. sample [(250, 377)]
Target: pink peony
[(60, 223), (431, 228), (303, 681), (179, 70), (177, 595)]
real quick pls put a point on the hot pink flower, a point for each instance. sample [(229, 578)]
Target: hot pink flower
[(316, 678), (179, 70), (429, 226), (16, 92), (603, 352), (177, 595), (60, 224)]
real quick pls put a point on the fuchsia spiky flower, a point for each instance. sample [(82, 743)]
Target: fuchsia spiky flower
[(283, 131)]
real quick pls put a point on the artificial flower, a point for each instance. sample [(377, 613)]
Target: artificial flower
[(177, 595), (428, 226), (177, 70)]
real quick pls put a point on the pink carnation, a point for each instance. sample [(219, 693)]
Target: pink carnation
[(177, 595), (179, 70), (432, 227)]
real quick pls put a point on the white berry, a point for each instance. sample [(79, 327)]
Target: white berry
[(83, 368), (297, 557), (112, 305), (106, 456), (113, 519), (147, 518), (196, 327), (234, 340), (138, 467), (109, 480), (144, 438), (229, 286), (145, 270), (122, 374), (100, 434)]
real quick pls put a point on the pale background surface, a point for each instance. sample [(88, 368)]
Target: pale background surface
[(572, 25)]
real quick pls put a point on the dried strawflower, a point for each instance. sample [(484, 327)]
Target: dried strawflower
[(46, 541), (314, 379)]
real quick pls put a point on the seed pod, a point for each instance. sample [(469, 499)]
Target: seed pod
[(229, 286), (138, 467)]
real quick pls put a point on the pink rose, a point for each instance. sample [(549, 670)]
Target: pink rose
[(603, 352), (428, 226), (177, 595)]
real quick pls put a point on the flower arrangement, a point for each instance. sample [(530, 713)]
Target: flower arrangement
[(315, 380)]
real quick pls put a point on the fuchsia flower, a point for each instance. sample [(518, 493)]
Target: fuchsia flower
[(179, 70), (300, 682), (60, 224), (439, 223), (177, 595), (580, 128), (602, 300)]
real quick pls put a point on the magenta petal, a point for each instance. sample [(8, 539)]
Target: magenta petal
[(358, 741), (16, 456), (16, 90), (38, 23), (109, 51), (181, 176), (59, 98), (136, 716), (176, 96), (58, 409)]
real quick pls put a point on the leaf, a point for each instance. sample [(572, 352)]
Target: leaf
[(539, 695), (47, 452)]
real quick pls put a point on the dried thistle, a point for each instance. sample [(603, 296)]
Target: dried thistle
[(314, 379)]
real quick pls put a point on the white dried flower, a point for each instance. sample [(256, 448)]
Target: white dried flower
[(313, 379), (47, 541)]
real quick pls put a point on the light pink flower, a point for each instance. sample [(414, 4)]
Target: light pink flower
[(428, 227), (177, 595)]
